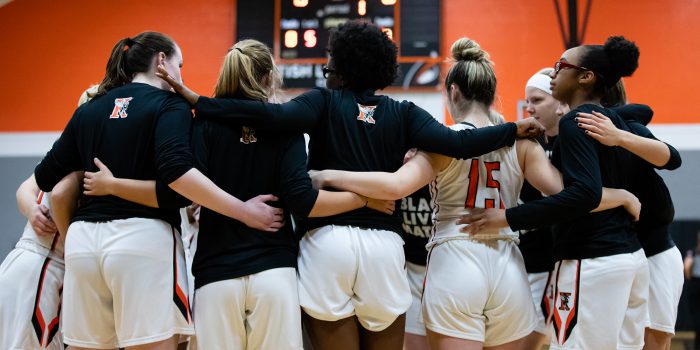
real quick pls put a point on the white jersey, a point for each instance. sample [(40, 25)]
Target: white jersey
[(49, 245), (492, 180)]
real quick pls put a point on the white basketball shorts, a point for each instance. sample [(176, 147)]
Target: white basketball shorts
[(346, 271), (125, 285), (478, 291), (600, 303), (31, 285)]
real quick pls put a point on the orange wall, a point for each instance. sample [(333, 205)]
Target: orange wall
[(50, 51), (523, 36)]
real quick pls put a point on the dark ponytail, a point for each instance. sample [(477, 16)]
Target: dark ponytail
[(133, 55), (618, 58)]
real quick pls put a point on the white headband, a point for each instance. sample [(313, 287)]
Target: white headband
[(540, 81)]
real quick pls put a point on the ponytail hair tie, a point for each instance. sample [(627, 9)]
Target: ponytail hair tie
[(128, 42)]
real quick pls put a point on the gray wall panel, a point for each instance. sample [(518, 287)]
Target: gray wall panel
[(14, 172)]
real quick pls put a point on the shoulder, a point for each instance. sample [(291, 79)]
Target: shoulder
[(635, 112), (174, 101)]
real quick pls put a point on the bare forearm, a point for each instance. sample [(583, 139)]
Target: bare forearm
[(373, 184), (199, 189), (332, 203), (64, 201), (653, 151), (138, 191), (26, 196), (611, 198)]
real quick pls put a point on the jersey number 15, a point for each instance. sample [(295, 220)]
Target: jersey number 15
[(490, 183)]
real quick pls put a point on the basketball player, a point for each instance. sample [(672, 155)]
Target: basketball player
[(352, 128), (601, 270), (665, 263), (32, 274), (246, 280), (475, 289), (536, 245), (122, 290)]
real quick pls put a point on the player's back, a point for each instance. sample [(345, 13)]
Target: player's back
[(140, 132), (492, 180)]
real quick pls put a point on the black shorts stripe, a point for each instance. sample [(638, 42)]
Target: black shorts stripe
[(179, 296)]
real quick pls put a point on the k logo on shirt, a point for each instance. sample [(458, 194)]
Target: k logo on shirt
[(120, 106), (366, 113), (248, 135)]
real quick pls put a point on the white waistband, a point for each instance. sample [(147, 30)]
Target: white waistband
[(437, 240), (39, 249)]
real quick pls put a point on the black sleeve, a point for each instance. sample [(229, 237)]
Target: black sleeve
[(296, 116), (297, 194), (637, 112), (62, 159), (428, 134), (674, 160), (172, 140), (200, 145), (168, 198), (583, 185)]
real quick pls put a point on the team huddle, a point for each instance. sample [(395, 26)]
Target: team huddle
[(392, 231)]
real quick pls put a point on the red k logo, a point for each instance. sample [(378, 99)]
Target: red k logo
[(564, 306), (120, 106), (366, 114)]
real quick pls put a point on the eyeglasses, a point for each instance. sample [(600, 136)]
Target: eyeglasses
[(559, 65), (326, 71)]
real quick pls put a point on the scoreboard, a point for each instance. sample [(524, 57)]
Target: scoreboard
[(305, 25), (298, 33)]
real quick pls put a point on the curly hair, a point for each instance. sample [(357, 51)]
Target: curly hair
[(363, 55), (618, 58)]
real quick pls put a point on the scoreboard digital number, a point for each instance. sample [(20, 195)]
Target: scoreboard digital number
[(298, 32)]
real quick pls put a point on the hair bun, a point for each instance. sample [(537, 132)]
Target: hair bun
[(466, 49), (623, 55)]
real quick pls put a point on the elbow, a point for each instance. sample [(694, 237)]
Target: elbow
[(595, 197), (394, 191), (590, 198), (67, 190), (674, 162)]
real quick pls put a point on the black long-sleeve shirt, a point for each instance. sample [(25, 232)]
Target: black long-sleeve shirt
[(245, 163), (140, 132), (586, 167), (358, 132), (657, 206)]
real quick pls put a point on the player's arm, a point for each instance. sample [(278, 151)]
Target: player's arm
[(426, 133), (305, 201), (64, 200), (38, 215), (150, 193), (174, 163), (536, 167), (602, 129), (580, 171), (298, 115), (103, 183), (542, 175), (617, 197), (62, 159), (413, 175)]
